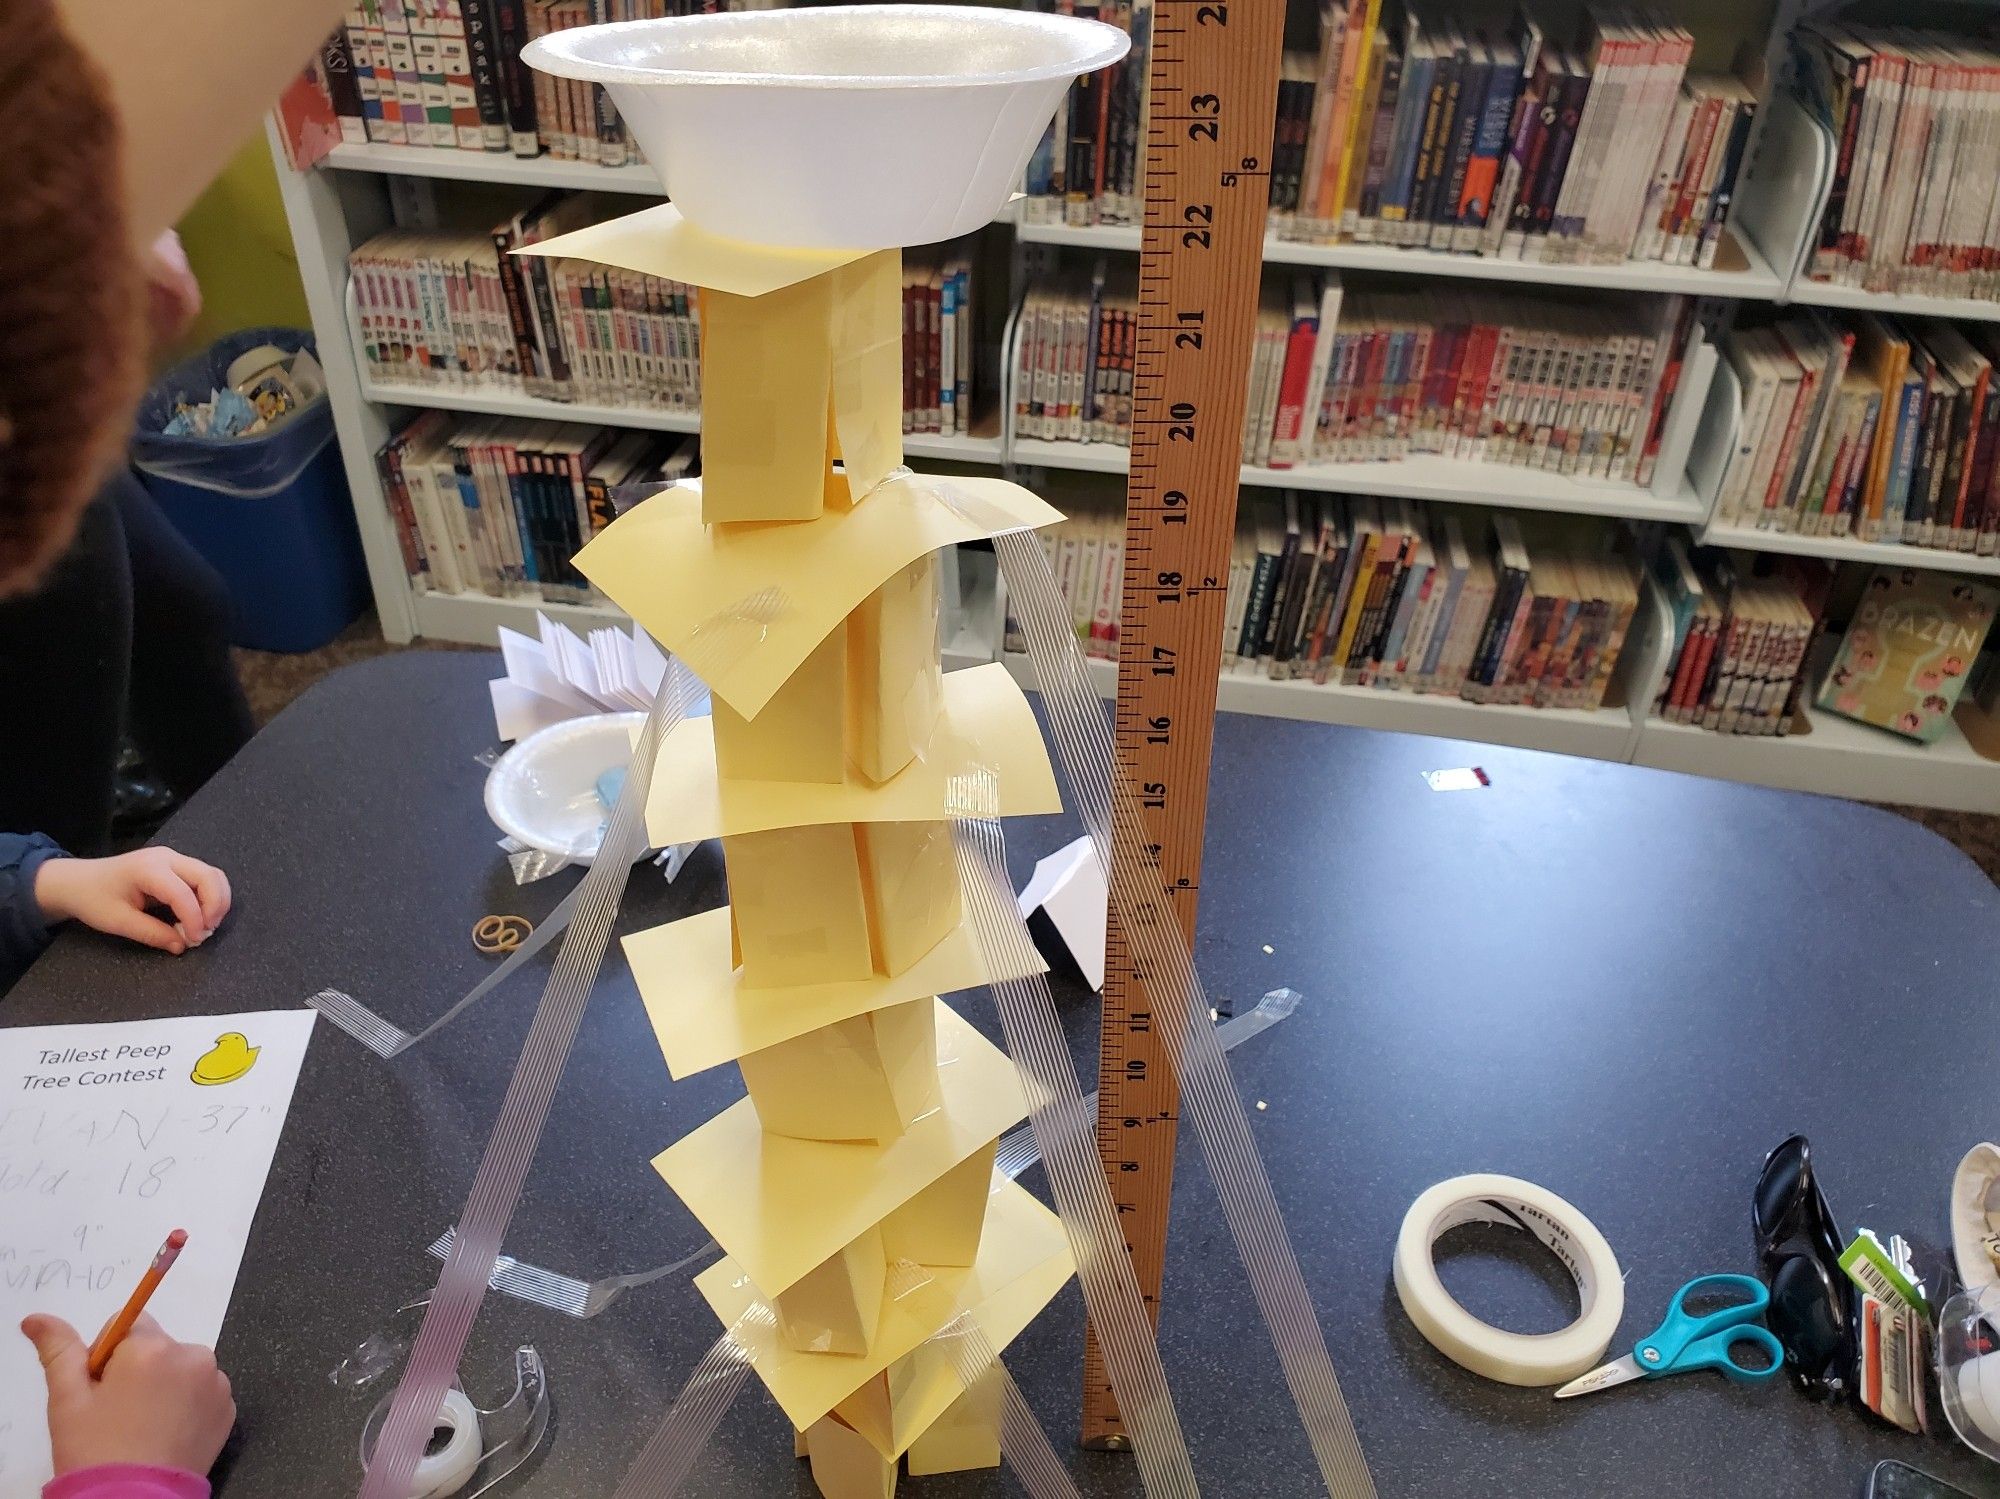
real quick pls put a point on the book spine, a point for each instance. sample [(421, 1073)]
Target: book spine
[(343, 87), (483, 42), (517, 88)]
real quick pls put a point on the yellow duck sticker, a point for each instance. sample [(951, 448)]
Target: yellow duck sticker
[(230, 1057)]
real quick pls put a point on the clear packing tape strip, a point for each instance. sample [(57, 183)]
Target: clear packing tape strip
[(574, 1296), (670, 1454), (1110, 813), (510, 1150)]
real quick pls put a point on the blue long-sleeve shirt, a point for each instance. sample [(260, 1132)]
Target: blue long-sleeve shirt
[(24, 932)]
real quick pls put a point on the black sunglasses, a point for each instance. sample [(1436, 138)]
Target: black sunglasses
[(1813, 1309)]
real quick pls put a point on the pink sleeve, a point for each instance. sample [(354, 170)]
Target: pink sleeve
[(127, 1481)]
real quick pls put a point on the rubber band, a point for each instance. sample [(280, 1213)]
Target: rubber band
[(501, 934)]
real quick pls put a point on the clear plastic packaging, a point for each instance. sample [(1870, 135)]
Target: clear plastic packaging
[(1968, 1368)]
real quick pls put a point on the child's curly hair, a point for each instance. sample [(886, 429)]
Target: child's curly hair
[(71, 347)]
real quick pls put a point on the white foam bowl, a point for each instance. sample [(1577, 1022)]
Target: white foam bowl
[(543, 791), (848, 127)]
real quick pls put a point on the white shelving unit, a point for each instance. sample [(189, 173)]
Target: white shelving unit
[(1418, 478), (1756, 281), (340, 204)]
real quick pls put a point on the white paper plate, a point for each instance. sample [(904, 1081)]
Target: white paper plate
[(543, 791), (854, 127)]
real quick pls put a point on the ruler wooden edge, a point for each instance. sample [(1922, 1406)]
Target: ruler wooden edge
[(1211, 106)]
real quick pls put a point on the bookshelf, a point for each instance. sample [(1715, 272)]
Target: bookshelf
[(358, 190)]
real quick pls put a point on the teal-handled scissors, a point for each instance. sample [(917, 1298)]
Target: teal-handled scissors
[(1682, 1343)]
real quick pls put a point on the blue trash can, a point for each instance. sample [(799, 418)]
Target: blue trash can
[(270, 512)]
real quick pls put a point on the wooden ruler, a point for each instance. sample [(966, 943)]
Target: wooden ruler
[(1213, 97)]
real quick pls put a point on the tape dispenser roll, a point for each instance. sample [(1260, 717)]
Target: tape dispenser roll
[(1509, 1357), (445, 1469)]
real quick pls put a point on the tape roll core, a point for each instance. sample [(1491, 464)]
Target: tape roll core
[(451, 1467), (1510, 1357)]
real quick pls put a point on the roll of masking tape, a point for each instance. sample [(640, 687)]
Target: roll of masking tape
[(1510, 1357), (450, 1467)]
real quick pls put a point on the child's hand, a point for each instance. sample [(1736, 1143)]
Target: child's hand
[(160, 1403), (111, 895)]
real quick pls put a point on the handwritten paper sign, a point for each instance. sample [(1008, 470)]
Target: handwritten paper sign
[(112, 1136)]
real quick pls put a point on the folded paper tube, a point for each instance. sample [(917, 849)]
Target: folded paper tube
[(779, 1207), (868, 368), (839, 901), (800, 905), (942, 1224), (1023, 1262), (705, 1013), (966, 1436), (869, 695), (895, 685), (985, 721), (799, 736), (837, 1305), (845, 1466), (766, 375), (861, 1079), (910, 873), (678, 577)]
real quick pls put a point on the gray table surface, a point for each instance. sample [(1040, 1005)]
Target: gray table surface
[(1622, 984)]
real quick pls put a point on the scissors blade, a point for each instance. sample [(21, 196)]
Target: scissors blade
[(1618, 1371)]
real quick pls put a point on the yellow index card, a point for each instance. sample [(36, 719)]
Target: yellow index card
[(867, 368), (658, 241), (745, 605), (986, 721), (766, 368), (780, 1206), (1023, 1262), (704, 1013)]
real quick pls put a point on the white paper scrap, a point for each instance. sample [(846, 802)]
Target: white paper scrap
[(111, 1137), (1069, 887)]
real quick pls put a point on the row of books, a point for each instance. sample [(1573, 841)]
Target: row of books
[(500, 506), (1414, 127), (449, 73), (1421, 129), (1867, 426), (1088, 166), (1914, 117), (938, 340), (458, 310), (1744, 625), (1577, 387), (1393, 595)]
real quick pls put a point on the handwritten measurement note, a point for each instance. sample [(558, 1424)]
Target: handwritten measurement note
[(112, 1136)]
